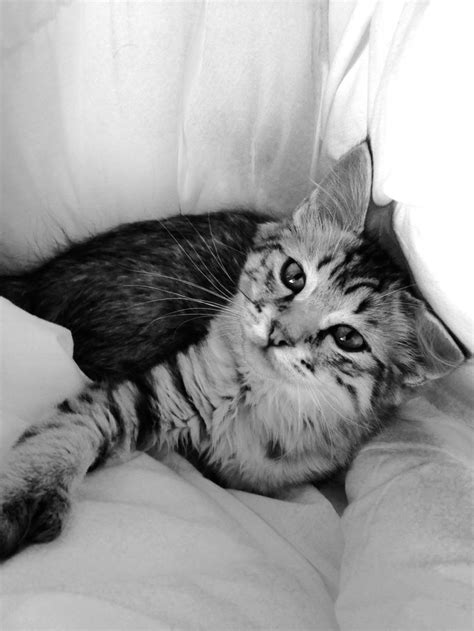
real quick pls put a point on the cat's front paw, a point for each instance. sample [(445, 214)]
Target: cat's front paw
[(31, 513)]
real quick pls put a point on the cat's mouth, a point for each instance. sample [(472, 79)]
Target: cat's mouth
[(283, 361), (288, 363)]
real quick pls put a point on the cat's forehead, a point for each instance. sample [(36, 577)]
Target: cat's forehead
[(309, 242), (347, 276)]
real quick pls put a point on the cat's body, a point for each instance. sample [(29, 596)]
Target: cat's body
[(142, 291), (300, 363)]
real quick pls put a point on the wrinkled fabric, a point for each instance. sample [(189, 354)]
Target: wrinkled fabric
[(119, 111), (409, 526), (153, 544)]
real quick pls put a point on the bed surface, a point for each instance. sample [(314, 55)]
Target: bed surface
[(153, 544)]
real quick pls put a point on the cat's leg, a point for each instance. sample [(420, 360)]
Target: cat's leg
[(103, 423)]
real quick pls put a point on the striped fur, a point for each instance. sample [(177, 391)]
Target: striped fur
[(266, 398)]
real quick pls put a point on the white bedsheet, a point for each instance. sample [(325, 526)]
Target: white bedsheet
[(147, 547)]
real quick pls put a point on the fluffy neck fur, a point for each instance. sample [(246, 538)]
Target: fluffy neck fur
[(261, 431)]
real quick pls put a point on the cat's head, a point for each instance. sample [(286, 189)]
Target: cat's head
[(325, 306)]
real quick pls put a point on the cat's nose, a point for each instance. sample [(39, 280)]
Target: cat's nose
[(277, 337)]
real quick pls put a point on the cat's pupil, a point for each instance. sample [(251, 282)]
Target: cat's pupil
[(348, 339), (292, 276)]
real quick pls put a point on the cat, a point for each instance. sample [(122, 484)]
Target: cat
[(313, 344)]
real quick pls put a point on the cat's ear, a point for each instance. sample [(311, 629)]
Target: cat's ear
[(343, 196), (439, 353)]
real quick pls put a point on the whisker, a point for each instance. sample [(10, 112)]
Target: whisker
[(222, 265), (174, 293), (214, 254), (335, 201), (322, 419), (184, 251), (217, 307), (394, 291), (331, 406), (174, 278), (198, 313)]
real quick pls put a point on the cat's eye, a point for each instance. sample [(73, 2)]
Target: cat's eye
[(292, 276), (348, 339)]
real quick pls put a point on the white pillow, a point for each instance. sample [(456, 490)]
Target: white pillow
[(118, 111), (399, 73), (408, 556)]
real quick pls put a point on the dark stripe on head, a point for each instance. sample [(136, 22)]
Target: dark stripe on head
[(363, 305), (343, 264), (340, 267), (364, 260), (324, 261), (268, 247), (375, 286)]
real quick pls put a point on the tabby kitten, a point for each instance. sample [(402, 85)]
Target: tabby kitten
[(306, 359)]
